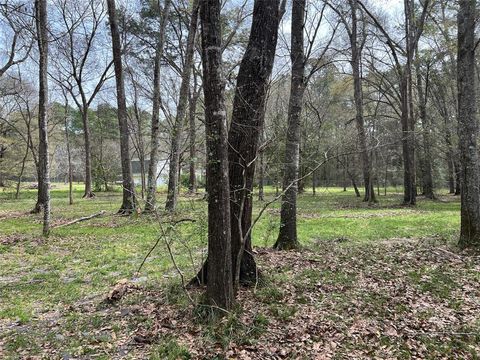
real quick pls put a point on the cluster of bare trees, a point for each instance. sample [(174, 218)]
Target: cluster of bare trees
[(341, 91)]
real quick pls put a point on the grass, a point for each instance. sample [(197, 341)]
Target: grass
[(40, 277)]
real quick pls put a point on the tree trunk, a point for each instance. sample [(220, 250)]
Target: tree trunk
[(174, 167), (220, 285), (409, 192), (129, 202), (358, 96), (88, 153), (69, 156), (468, 127), (44, 179), (261, 177), (140, 145), (150, 203), (22, 169), (458, 177), (287, 237), (451, 181), (450, 155), (192, 179), (314, 182), (427, 177), (247, 124)]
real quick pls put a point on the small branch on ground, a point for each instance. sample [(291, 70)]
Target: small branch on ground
[(80, 219)]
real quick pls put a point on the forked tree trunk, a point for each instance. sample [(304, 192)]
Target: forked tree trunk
[(44, 175), (129, 202), (177, 130), (468, 127), (150, 202), (244, 135), (287, 237), (247, 124), (220, 284)]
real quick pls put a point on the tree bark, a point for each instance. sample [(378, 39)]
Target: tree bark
[(287, 237), (44, 179), (220, 284), (247, 124), (177, 130), (468, 127), (150, 203), (129, 202)]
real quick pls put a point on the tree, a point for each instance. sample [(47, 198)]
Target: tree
[(413, 31), (129, 202), (181, 112), (44, 179), (69, 153), (219, 287), (427, 161), (287, 237), (356, 47), (155, 133), (468, 126), (301, 59), (244, 135), (192, 134), (77, 64), (248, 117)]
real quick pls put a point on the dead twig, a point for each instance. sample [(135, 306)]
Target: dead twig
[(80, 219)]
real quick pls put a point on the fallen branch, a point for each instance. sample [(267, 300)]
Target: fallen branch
[(80, 219)]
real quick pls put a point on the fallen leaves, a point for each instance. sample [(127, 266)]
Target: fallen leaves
[(119, 290), (402, 298)]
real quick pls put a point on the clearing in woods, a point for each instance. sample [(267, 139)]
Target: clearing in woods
[(382, 281)]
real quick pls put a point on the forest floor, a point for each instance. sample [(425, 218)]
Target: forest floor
[(383, 281)]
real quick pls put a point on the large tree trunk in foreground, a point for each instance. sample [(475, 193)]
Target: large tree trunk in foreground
[(247, 123), (129, 202), (220, 284), (150, 203), (177, 130), (44, 175), (468, 127), (287, 237)]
